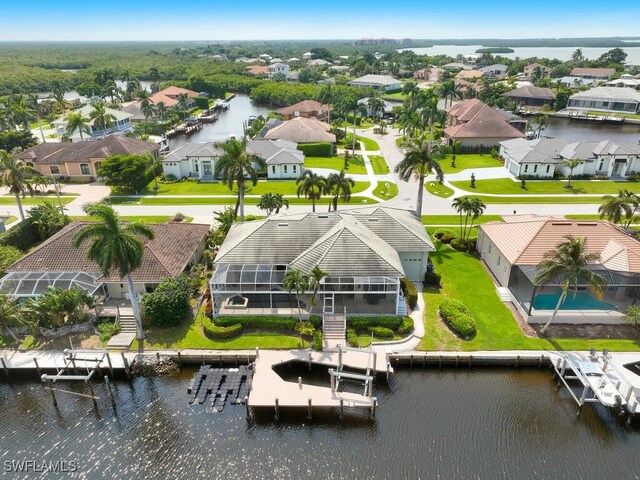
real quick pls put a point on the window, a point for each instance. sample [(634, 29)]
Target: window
[(535, 168), (84, 169), (548, 168), (285, 169), (54, 169), (526, 168), (197, 167), (601, 165), (295, 169), (273, 169)]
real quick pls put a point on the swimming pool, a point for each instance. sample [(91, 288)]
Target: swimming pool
[(581, 301)]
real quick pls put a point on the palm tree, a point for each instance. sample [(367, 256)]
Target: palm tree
[(295, 280), (312, 186), (315, 279), (632, 315), (418, 162), (541, 123), (155, 169), (456, 146), (339, 186), (154, 76), (271, 202), (38, 108), (376, 107), (115, 245), (22, 111), (571, 165), (411, 90), (161, 110), (111, 90), (182, 103), (102, 118), (568, 265), (77, 122), (58, 91), (146, 108), (449, 90), (620, 208), (16, 175), (473, 208), (236, 166)]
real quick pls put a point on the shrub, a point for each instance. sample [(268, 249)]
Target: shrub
[(202, 102), (410, 293), (249, 218), (318, 341), (381, 332), (316, 321), (168, 305), (352, 337), (447, 237), (305, 329), (23, 236), (459, 244), (494, 153), (178, 217), (634, 177), (170, 177), (406, 326), (8, 255), (440, 232), (320, 149), (432, 278), (362, 324), (218, 332), (258, 321), (458, 318), (107, 330)]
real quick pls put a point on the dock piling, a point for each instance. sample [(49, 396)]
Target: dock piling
[(341, 408), (179, 359), (470, 360), (35, 360), (374, 404), (50, 385), (247, 408), (517, 361), (277, 402), (309, 408), (108, 385), (4, 367), (110, 365), (93, 397), (126, 365), (300, 382)]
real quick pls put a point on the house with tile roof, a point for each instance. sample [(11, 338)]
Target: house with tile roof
[(382, 83), (513, 249), (606, 99), (300, 130), (532, 96), (475, 123), (56, 262), (530, 69), (120, 125), (283, 159), (169, 96), (470, 74), (81, 160), (305, 108), (365, 252), (589, 73)]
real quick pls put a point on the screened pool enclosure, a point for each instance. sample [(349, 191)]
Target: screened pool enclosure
[(33, 284)]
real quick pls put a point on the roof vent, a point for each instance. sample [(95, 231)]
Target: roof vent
[(324, 215), (560, 223), (283, 224), (588, 224)]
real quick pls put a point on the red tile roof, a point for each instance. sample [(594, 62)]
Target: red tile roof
[(475, 119), (305, 106), (169, 95)]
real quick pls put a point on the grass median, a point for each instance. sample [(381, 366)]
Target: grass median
[(284, 187), (225, 201)]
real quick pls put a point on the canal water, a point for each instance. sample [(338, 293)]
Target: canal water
[(449, 424), (230, 122), (573, 130)]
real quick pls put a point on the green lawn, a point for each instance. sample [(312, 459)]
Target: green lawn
[(193, 200), (356, 164), (9, 220), (364, 339), (464, 279), (455, 219), (468, 161), (369, 144), (438, 189), (385, 190), (505, 186), (396, 95), (144, 219), (189, 334), (11, 200), (285, 187), (539, 199), (378, 164)]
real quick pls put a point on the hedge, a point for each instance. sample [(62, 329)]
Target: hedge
[(458, 318), (406, 326), (362, 324), (318, 343), (23, 236), (321, 149), (381, 332), (8, 255), (258, 321), (432, 279), (410, 293), (202, 103), (215, 331), (352, 337), (464, 245)]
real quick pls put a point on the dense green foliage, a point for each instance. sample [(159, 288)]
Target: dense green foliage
[(409, 291), (107, 330), (361, 324), (11, 139), (432, 279), (381, 332), (168, 304), (58, 307), (25, 235), (8, 255), (126, 173), (352, 337), (318, 343), (220, 332), (406, 326), (458, 317), (322, 149)]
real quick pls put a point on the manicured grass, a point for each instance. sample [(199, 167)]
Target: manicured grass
[(464, 279), (189, 334), (222, 201), (369, 144), (539, 199), (455, 219), (285, 187), (378, 164), (356, 164), (9, 220), (505, 186), (385, 190), (468, 161), (364, 339), (144, 219), (396, 95), (438, 189), (11, 200)]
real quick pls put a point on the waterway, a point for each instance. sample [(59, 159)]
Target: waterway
[(575, 131), (449, 424), (230, 122), (561, 53)]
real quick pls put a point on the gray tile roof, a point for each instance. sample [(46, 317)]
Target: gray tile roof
[(375, 79), (578, 150), (531, 91), (541, 150), (610, 147), (612, 94), (198, 149), (276, 152)]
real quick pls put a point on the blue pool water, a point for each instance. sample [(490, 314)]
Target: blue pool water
[(581, 301)]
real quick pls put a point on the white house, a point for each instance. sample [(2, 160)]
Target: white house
[(283, 159), (607, 99), (495, 71), (196, 160), (382, 83), (121, 124), (279, 68)]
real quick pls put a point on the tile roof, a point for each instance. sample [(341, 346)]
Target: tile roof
[(470, 74), (578, 71), (169, 95), (79, 152), (540, 150), (475, 119), (612, 94), (375, 79), (302, 130), (196, 149), (167, 255), (305, 106), (531, 91)]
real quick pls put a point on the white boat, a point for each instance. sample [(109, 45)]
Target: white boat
[(602, 386)]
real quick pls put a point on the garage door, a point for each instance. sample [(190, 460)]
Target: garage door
[(412, 265)]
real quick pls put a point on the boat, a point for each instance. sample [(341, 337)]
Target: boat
[(602, 386)]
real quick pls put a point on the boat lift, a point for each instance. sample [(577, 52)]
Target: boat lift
[(338, 374)]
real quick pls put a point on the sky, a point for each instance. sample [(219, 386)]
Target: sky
[(65, 20)]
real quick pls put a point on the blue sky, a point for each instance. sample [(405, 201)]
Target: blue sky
[(304, 19)]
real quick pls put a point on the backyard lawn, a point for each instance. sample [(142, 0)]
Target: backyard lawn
[(385, 190), (378, 164), (438, 189), (505, 186), (285, 187), (356, 164), (464, 279), (468, 161)]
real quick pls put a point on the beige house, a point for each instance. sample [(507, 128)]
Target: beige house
[(529, 69), (470, 74), (305, 108), (82, 160), (301, 130)]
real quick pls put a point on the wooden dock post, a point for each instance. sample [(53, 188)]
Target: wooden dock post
[(93, 397), (374, 404), (339, 357), (220, 360), (517, 361), (50, 385), (236, 360), (333, 381), (309, 359), (126, 365), (35, 360), (257, 352), (583, 397), (277, 409), (179, 359), (73, 362), (247, 408), (108, 384), (457, 357), (309, 408), (110, 365), (440, 361), (411, 360), (470, 360), (4, 367), (540, 361), (300, 383), (203, 359), (341, 407)]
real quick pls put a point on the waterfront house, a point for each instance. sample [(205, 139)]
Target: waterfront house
[(475, 123), (305, 108), (81, 160), (532, 96), (381, 83), (318, 62), (278, 68), (531, 68), (625, 80), (429, 75), (512, 250), (532, 158), (497, 70), (300, 130), (120, 125), (169, 96), (258, 71), (55, 262), (364, 251), (589, 73), (606, 99), (577, 82)]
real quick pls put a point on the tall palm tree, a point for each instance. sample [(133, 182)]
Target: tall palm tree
[(449, 90), (22, 111), (57, 92), (411, 90), (115, 245), (568, 265), (472, 208), (620, 208), (311, 186), (339, 186), (236, 166), (154, 76), (315, 280), (146, 108), (161, 110), (16, 175), (102, 118), (272, 202), (76, 122), (376, 107), (182, 103), (541, 122), (418, 162), (296, 281), (571, 164), (155, 169), (38, 109)]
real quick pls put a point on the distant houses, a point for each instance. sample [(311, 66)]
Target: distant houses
[(607, 99), (530, 70), (470, 74), (497, 70), (593, 73), (429, 75), (625, 80), (381, 83), (170, 96), (532, 96), (279, 68)]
